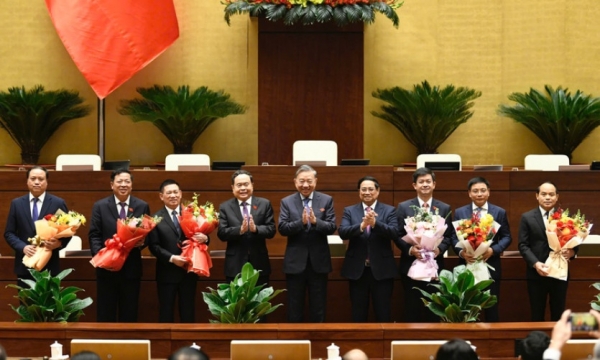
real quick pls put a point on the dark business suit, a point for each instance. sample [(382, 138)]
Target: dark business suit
[(533, 246), (248, 247), (369, 262), (307, 260), (117, 291), (500, 242), (414, 310), (20, 227), (173, 282)]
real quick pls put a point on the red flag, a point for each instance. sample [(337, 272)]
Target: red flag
[(111, 40)]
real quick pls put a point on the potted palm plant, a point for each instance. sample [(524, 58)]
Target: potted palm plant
[(241, 301), (181, 115), (31, 116), (561, 120), (459, 299), (426, 115)]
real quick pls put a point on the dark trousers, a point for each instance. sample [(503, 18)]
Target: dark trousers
[(491, 314), (185, 292), (414, 309), (297, 285), (117, 299), (539, 290), (368, 288)]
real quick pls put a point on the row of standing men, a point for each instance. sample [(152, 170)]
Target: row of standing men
[(306, 218)]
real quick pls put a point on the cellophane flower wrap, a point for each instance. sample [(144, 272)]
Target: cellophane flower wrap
[(195, 219), (564, 232), (59, 225), (475, 236), (425, 228), (131, 232)]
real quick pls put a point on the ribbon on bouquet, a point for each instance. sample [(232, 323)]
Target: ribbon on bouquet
[(424, 269)]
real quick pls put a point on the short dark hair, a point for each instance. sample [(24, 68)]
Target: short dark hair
[(3, 355), (478, 180), (241, 172), (86, 355), (534, 345), (422, 172), (456, 349), (368, 178), (118, 172), (547, 182), (189, 353), (37, 167), (167, 183)]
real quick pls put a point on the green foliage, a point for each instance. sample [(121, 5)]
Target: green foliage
[(312, 13), (459, 299), (427, 115), (46, 301), (182, 115), (561, 120), (31, 116), (241, 301), (596, 303)]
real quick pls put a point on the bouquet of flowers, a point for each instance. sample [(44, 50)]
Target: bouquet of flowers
[(197, 219), (427, 230), (475, 237), (131, 232), (57, 226), (564, 232)]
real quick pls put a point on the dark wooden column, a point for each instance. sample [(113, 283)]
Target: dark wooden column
[(310, 87)]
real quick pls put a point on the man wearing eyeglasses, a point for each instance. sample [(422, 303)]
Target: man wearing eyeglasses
[(479, 191), (306, 218)]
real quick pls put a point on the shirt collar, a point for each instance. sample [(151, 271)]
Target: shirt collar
[(249, 201), (309, 196), (372, 206), (429, 202), (483, 208), (40, 198), (170, 211), (127, 201)]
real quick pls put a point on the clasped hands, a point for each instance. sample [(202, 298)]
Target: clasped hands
[(471, 259), (248, 224), (369, 219), (49, 244), (415, 251), (308, 217)]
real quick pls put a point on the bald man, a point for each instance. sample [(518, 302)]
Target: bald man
[(355, 354)]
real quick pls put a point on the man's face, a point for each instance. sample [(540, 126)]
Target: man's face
[(171, 196), (121, 186), (305, 183), (547, 197), (242, 187), (424, 186), (479, 194), (368, 192), (36, 182)]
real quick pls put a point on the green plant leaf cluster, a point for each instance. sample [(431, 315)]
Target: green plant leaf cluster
[(241, 301), (426, 115), (32, 116), (459, 299), (310, 14), (560, 119), (596, 303), (181, 115), (46, 301)]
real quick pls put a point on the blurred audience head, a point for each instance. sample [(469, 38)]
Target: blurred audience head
[(189, 353), (86, 355), (456, 349), (534, 345), (2, 353), (355, 354)]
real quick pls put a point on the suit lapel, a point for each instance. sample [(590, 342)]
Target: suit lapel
[(237, 209), (169, 218), (45, 205), (300, 204), (27, 211), (540, 220), (112, 207)]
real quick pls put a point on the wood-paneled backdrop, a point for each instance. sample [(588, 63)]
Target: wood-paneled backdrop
[(310, 87)]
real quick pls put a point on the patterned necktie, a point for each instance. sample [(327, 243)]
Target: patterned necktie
[(123, 213), (245, 210), (34, 212), (176, 222), (426, 206), (478, 212), (306, 201), (368, 230)]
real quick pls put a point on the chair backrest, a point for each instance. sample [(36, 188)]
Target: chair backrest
[(187, 162), (439, 161), (415, 350), (270, 349), (315, 151), (578, 349), (546, 162), (69, 162), (74, 244)]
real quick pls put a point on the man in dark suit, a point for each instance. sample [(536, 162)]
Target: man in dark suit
[(306, 218), (117, 291), (533, 246), (370, 226), (20, 224), (245, 223), (479, 192), (424, 184), (172, 279)]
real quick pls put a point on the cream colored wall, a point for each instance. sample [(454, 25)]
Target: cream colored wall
[(497, 47)]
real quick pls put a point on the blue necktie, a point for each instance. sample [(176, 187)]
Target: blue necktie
[(306, 201), (123, 213), (34, 213), (176, 222)]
